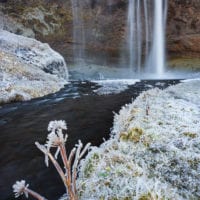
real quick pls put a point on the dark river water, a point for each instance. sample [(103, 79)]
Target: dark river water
[(89, 117)]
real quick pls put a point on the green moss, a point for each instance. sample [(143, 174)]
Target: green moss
[(133, 134), (149, 196), (103, 174), (89, 169), (190, 134), (160, 123)]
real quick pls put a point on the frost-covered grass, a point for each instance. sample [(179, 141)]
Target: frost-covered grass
[(154, 151)]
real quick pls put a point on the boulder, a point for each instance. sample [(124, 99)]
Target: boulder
[(33, 52), (28, 68)]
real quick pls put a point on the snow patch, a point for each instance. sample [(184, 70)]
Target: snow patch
[(114, 86), (188, 80)]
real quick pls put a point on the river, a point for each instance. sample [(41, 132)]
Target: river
[(89, 117)]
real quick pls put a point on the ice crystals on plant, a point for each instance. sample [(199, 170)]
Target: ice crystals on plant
[(44, 150), (55, 138), (57, 125), (19, 188)]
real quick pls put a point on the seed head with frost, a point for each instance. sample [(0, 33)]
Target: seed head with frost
[(19, 188), (68, 174), (55, 138), (57, 125)]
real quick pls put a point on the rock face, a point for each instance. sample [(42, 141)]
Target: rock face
[(38, 18), (183, 30), (28, 68), (104, 26), (153, 152)]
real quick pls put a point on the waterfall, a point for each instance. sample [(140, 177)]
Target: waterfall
[(131, 33), (145, 35), (157, 55), (78, 33)]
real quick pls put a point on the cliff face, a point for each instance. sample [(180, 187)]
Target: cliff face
[(183, 28), (104, 26)]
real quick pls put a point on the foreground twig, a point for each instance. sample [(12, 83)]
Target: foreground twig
[(20, 188), (57, 139)]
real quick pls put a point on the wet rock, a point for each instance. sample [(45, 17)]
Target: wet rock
[(33, 52), (183, 29), (28, 68)]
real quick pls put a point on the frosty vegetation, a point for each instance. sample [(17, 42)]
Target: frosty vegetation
[(28, 68), (68, 174), (153, 152)]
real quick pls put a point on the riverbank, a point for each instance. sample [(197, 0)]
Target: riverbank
[(153, 152)]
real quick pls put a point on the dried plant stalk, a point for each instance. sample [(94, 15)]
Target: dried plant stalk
[(57, 139)]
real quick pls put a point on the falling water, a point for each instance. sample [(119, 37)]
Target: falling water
[(157, 55), (146, 14), (139, 33), (78, 33), (131, 33), (145, 36)]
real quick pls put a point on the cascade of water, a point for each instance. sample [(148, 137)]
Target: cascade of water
[(139, 36), (131, 33), (78, 33), (146, 15), (134, 34), (145, 35), (157, 55)]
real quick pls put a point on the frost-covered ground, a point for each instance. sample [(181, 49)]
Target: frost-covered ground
[(154, 151), (28, 68)]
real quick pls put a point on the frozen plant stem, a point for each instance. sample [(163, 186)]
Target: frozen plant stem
[(35, 194), (20, 188), (72, 193), (66, 179), (78, 156), (57, 139)]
